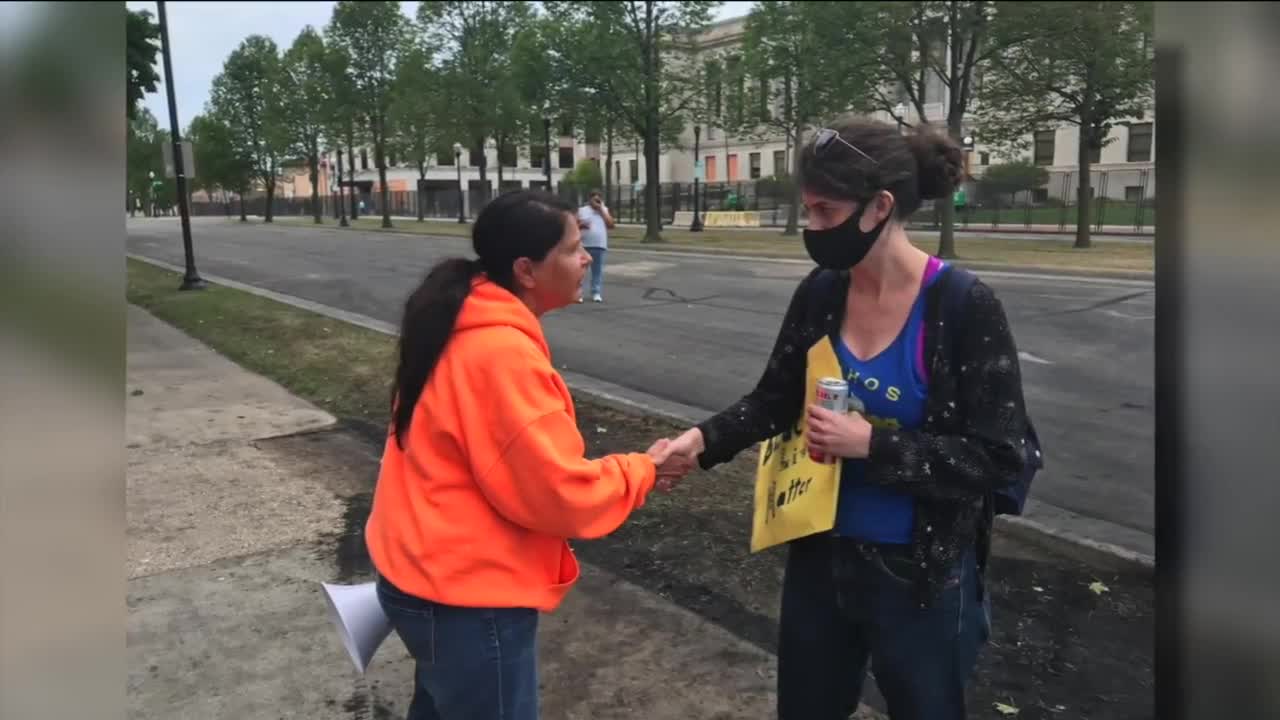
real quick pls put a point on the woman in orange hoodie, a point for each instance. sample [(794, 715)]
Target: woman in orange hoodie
[(484, 477)]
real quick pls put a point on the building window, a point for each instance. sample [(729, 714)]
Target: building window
[(763, 106), (364, 159), (731, 167), (536, 155), (984, 158), (1095, 155), (566, 128), (566, 158), (475, 157), (617, 170), (1040, 195), (754, 159), (780, 162), (391, 159), (444, 157), (1133, 193), (1044, 147), (634, 169), (1140, 142)]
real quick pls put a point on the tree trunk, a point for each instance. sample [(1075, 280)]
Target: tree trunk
[(653, 223), (315, 187), (267, 214), (378, 143), (499, 139), (351, 172), (793, 211), (422, 175), (244, 215), (947, 213), (608, 163), (1083, 194), (484, 172)]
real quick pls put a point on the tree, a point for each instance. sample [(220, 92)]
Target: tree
[(372, 35), (805, 69), (1009, 179), (1087, 64), (346, 118), (305, 95), (416, 108), (217, 158), (480, 83), (246, 96), (142, 37), (142, 156), (585, 176), (634, 56), (931, 52)]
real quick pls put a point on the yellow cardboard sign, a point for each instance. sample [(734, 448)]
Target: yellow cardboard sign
[(796, 496)]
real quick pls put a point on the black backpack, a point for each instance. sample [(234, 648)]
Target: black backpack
[(956, 283)]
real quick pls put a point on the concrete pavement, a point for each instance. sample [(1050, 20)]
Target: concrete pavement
[(694, 332), (242, 499)]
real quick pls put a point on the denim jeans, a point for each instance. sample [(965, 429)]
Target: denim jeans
[(597, 269), (846, 605), (471, 663)]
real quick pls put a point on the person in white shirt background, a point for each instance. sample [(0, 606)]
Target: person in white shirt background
[(595, 221)]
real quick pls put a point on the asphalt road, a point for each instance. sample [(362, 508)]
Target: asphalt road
[(698, 331)]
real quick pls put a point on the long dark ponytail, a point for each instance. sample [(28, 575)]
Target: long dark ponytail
[(518, 224)]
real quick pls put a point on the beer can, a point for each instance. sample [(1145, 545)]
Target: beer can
[(833, 394)]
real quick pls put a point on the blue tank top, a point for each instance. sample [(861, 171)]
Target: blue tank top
[(893, 393)]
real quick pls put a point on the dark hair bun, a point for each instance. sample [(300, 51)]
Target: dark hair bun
[(939, 163)]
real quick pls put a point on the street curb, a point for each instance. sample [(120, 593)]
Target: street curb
[(1048, 271), (1063, 542)]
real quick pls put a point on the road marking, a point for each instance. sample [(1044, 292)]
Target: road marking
[(1024, 355), (1127, 316)]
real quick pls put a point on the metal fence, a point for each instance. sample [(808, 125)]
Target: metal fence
[(1123, 202)]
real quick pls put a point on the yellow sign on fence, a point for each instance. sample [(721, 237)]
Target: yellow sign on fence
[(796, 496), (731, 218)]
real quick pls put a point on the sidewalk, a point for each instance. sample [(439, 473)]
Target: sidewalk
[(242, 499)]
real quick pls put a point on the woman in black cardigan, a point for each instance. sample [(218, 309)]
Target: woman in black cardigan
[(898, 583)]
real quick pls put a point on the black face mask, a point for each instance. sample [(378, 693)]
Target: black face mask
[(843, 246)]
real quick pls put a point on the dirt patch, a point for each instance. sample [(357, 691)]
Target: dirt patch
[(1058, 648)]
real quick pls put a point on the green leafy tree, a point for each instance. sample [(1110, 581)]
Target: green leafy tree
[(635, 57), (803, 69), (1087, 64), (346, 119), (480, 84), (931, 53), (416, 108), (585, 177), (218, 162), (142, 38), (142, 156), (306, 98), (372, 35), (246, 95)]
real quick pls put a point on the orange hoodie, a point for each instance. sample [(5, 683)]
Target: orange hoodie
[(477, 509)]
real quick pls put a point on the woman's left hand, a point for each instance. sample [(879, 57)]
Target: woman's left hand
[(829, 433)]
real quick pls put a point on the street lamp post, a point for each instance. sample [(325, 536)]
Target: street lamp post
[(900, 110), (191, 279), (696, 225), (457, 162)]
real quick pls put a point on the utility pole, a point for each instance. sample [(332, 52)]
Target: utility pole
[(191, 280)]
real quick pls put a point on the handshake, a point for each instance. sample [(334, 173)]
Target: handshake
[(676, 458)]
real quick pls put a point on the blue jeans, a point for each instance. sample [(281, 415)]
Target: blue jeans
[(846, 605), (597, 269), (471, 663)]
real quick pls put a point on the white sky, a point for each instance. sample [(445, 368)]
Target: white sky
[(204, 33)]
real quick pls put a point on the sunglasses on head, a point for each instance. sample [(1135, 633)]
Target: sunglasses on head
[(826, 136)]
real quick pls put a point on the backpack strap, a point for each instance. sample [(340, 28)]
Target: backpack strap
[(956, 284)]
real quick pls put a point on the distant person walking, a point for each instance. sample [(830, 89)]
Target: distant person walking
[(595, 221)]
